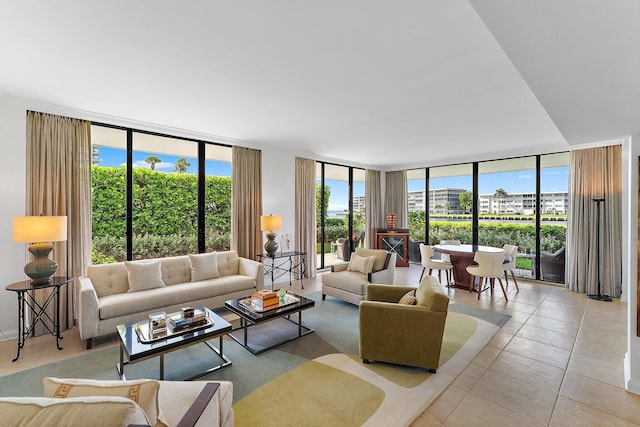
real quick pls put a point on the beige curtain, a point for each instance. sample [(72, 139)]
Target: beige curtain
[(395, 197), (595, 173), (246, 201), (373, 206), (59, 183), (305, 233)]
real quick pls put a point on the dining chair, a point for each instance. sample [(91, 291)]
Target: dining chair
[(509, 263), (489, 267), (427, 261)]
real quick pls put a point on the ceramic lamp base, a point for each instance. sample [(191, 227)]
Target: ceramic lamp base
[(41, 267), (271, 246)]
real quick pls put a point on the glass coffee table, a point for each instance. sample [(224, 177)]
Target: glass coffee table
[(250, 316), (137, 345)]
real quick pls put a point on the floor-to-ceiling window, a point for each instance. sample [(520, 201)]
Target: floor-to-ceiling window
[(340, 193), (450, 203), (554, 206), (500, 199), (157, 195)]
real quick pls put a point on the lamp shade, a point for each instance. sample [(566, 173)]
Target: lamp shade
[(39, 229), (270, 222)]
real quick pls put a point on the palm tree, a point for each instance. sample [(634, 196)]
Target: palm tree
[(181, 165), (152, 160), (501, 194)]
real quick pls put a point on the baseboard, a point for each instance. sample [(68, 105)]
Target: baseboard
[(631, 385), (8, 335)]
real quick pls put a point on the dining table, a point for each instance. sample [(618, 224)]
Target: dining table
[(461, 257)]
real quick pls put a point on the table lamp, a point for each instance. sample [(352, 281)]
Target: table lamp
[(42, 230), (269, 223)]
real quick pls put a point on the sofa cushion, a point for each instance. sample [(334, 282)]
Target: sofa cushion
[(228, 263), (175, 269), (361, 264), (380, 255), (113, 306), (204, 266), (91, 410), (142, 392), (109, 279), (144, 275), (350, 281), (431, 295)]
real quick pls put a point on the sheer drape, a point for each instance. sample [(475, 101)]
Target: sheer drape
[(396, 196), (595, 173), (246, 201), (372, 206), (59, 183), (305, 233)]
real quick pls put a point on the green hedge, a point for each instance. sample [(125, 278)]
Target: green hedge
[(164, 213), (553, 237)]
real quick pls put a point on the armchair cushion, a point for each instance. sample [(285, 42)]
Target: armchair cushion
[(409, 298), (361, 264)]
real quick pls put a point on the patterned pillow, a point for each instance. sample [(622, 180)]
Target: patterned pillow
[(143, 392), (409, 298)]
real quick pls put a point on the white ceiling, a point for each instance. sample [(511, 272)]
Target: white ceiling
[(380, 83)]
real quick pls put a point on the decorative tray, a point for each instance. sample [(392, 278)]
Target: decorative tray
[(288, 300), (142, 330)]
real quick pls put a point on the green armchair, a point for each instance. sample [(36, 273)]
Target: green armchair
[(404, 334)]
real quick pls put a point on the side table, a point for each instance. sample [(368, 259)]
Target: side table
[(284, 265), (26, 299)]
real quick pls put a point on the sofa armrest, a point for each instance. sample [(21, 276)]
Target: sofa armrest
[(339, 267), (191, 417), (88, 309), (253, 269), (386, 293)]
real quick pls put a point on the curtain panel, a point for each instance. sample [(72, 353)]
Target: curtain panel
[(59, 183), (305, 232), (372, 206), (396, 196), (246, 201), (595, 173)]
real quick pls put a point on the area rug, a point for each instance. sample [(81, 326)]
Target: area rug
[(317, 380)]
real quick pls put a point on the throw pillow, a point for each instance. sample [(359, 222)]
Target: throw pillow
[(144, 275), (204, 266), (409, 298), (143, 392), (361, 264)]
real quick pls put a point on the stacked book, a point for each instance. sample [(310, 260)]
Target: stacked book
[(180, 322), (264, 300)]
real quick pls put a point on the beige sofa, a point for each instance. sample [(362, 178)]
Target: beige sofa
[(123, 292), (80, 402), (349, 282)]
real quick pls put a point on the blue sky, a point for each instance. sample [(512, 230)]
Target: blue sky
[(116, 157)]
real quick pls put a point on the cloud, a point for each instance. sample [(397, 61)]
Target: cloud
[(528, 176), (159, 166)]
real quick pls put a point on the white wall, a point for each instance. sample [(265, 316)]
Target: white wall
[(630, 153)]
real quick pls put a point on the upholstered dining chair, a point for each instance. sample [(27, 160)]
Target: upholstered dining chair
[(509, 263), (427, 261), (489, 267)]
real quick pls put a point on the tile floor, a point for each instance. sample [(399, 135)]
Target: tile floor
[(557, 362)]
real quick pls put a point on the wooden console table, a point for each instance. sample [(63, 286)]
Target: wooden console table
[(395, 241)]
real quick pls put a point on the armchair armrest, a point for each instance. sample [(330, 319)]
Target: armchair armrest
[(384, 276), (339, 267), (196, 409)]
